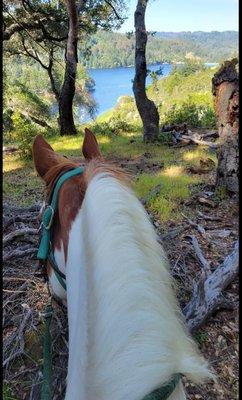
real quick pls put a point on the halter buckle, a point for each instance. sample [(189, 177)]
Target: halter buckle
[(47, 227)]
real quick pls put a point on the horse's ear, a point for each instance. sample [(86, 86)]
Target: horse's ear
[(44, 156), (90, 147)]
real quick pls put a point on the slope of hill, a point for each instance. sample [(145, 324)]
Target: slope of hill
[(217, 45)]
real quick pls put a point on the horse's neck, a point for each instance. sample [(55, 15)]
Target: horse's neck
[(121, 310), (110, 244)]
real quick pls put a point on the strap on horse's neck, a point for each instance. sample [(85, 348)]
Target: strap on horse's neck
[(45, 251)]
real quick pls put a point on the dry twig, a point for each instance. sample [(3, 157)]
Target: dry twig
[(204, 263), (20, 336)]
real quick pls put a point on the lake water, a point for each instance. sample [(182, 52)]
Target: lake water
[(111, 83)]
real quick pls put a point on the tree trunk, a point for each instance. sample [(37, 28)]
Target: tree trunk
[(147, 109), (66, 120), (225, 87)]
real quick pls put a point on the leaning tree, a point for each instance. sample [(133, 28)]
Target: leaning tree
[(146, 107), (225, 87), (43, 30)]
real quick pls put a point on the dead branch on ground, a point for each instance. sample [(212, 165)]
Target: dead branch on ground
[(19, 232), (207, 295)]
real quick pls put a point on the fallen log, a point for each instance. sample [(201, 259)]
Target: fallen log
[(10, 208), (207, 295), (213, 134), (208, 217), (19, 232), (10, 149), (19, 253), (204, 263), (195, 140), (7, 221)]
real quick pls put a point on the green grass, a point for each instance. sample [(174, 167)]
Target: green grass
[(7, 395), (174, 183), (125, 145), (22, 186)]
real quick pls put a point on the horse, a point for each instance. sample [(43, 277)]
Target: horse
[(127, 335)]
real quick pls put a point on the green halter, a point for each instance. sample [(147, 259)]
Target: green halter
[(45, 251)]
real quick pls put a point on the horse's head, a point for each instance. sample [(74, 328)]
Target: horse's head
[(50, 166)]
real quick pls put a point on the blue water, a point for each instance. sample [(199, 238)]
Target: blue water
[(111, 83)]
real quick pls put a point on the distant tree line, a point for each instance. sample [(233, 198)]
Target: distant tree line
[(111, 49)]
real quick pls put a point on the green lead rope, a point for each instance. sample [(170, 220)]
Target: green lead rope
[(164, 392), (46, 389)]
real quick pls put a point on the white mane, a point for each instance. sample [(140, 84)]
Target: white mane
[(126, 336)]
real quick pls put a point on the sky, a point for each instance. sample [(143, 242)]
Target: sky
[(186, 15)]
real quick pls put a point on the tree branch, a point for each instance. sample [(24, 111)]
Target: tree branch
[(207, 292), (7, 34), (20, 232), (114, 10), (34, 56)]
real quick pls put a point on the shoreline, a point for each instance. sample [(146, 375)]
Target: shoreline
[(155, 64)]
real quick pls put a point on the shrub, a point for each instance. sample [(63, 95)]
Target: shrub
[(24, 133), (7, 124), (115, 126), (195, 115)]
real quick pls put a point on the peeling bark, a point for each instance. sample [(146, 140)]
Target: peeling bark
[(147, 108), (225, 87)]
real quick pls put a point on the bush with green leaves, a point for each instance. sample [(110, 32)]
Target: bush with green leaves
[(185, 96), (115, 125), (7, 124), (23, 133), (195, 115)]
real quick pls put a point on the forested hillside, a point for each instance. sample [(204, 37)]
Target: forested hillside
[(216, 45), (112, 49)]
